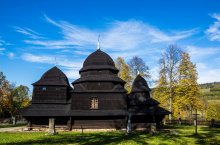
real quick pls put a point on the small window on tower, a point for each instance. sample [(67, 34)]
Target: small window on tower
[(94, 103), (44, 88)]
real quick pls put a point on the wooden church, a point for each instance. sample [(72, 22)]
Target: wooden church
[(97, 100)]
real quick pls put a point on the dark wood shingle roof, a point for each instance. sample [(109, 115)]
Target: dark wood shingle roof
[(140, 85), (53, 77), (98, 60)]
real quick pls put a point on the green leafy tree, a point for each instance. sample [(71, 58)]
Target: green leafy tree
[(20, 99), (124, 72)]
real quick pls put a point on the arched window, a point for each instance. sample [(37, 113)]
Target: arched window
[(94, 103)]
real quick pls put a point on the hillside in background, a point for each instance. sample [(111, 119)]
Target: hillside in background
[(210, 91)]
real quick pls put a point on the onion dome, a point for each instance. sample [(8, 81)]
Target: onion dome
[(53, 77), (98, 60), (140, 85)]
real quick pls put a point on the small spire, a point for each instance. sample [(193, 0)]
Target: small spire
[(55, 61), (138, 73), (98, 42)]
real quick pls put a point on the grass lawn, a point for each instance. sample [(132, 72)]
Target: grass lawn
[(173, 135)]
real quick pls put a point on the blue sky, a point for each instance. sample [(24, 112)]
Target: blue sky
[(35, 32)]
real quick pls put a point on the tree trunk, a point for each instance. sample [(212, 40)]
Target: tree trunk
[(170, 107)]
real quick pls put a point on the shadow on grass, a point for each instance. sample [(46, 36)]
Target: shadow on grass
[(180, 135), (208, 136), (99, 138)]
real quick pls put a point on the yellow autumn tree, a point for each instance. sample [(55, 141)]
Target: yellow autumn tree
[(165, 89), (12, 98), (161, 91), (187, 91), (5, 97), (124, 72)]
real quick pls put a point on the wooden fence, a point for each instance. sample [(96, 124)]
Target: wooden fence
[(191, 122)]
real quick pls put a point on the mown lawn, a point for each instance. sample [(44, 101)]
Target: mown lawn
[(173, 135)]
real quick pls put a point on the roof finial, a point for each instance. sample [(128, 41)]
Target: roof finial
[(98, 42), (138, 73), (55, 61)]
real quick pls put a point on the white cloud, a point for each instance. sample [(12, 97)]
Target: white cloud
[(71, 68), (72, 74), (11, 55), (201, 66), (2, 49), (209, 75), (49, 59), (41, 59), (207, 69), (28, 32), (2, 42), (118, 36), (213, 32), (197, 52)]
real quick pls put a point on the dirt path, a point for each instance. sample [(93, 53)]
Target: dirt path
[(12, 129)]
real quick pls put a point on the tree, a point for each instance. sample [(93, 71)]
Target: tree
[(169, 74), (12, 98), (213, 110), (124, 72), (137, 65), (161, 91), (2, 78), (188, 94), (20, 99), (5, 97)]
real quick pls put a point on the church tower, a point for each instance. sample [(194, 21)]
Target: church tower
[(99, 92)]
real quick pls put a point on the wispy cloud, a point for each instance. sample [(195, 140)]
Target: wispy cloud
[(213, 32), (207, 67), (208, 75), (197, 52), (70, 67), (11, 55), (119, 35), (2, 46), (118, 38), (2, 49), (28, 32)]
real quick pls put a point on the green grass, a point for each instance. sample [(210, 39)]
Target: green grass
[(174, 135)]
